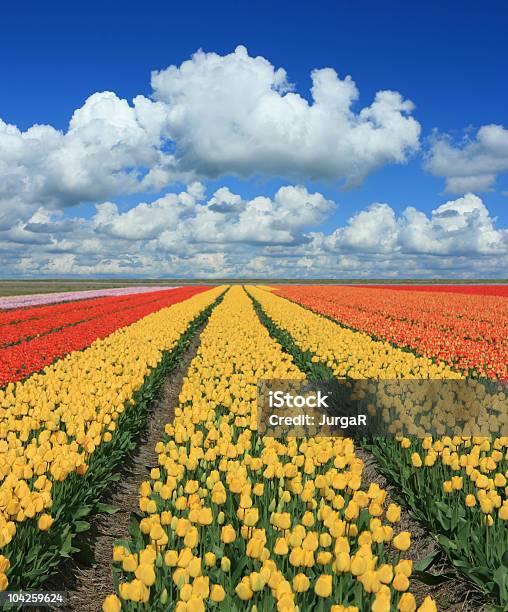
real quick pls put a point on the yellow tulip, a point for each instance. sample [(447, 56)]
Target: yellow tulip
[(210, 559), (5, 564), (301, 583), (428, 605), (171, 558), (217, 593), (228, 534), (405, 566), (400, 582), (225, 564), (201, 587), (393, 513), (45, 521), (281, 547), (470, 501), (407, 603), (111, 604), (146, 574), (244, 591), (323, 585), (402, 541)]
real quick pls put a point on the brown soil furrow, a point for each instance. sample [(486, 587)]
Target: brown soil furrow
[(87, 586)]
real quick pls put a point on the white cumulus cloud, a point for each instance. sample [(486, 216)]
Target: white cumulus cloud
[(211, 116), (461, 227), (474, 163), (105, 152), (191, 235), (178, 219), (239, 114)]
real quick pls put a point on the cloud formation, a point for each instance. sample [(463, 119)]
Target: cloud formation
[(461, 227), (212, 116), (474, 163), (188, 234), (224, 219), (216, 116), (239, 114)]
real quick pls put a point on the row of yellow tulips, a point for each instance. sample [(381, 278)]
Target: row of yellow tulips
[(230, 519), (455, 484), (52, 423)]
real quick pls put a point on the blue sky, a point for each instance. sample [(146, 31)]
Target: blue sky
[(449, 58)]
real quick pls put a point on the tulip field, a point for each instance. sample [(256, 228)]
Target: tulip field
[(230, 519), (461, 328)]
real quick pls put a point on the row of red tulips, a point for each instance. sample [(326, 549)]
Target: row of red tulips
[(20, 360), (469, 332), (41, 311), (52, 318), (498, 290)]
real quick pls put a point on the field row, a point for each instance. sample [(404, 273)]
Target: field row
[(46, 319), (230, 518), (468, 332), (65, 431), (40, 299), (498, 290), (71, 327)]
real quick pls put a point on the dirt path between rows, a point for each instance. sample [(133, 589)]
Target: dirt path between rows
[(88, 586), (454, 595)]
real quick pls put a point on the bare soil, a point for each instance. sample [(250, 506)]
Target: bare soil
[(87, 586)]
